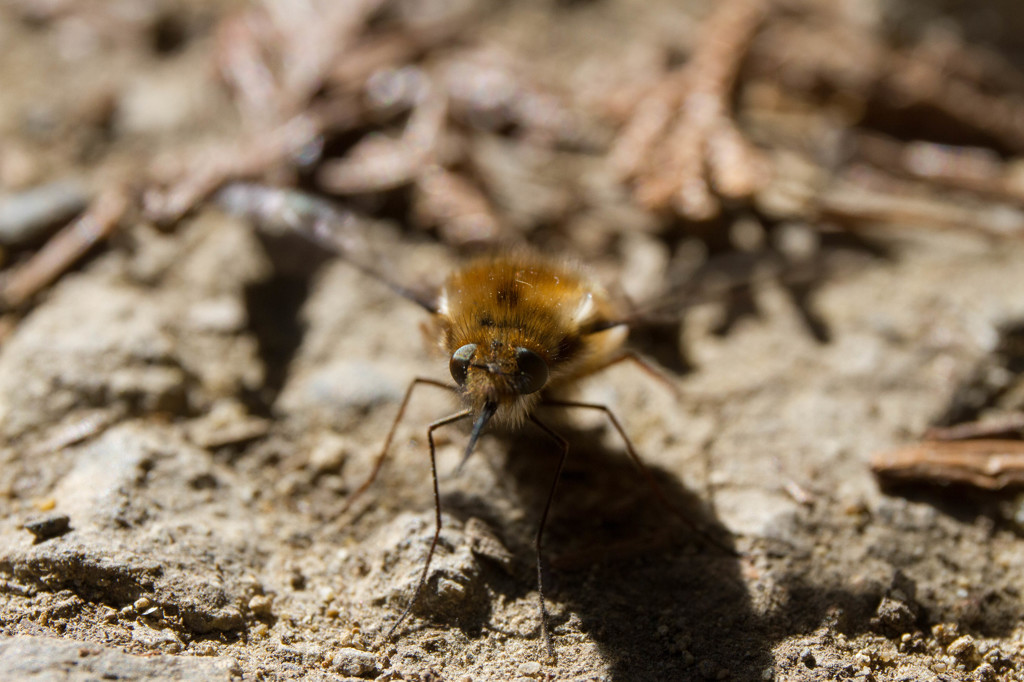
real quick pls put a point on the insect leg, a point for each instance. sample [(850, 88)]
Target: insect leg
[(644, 470), (437, 512), (564, 444), (651, 370), (379, 462)]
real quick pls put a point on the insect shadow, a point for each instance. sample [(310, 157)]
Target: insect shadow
[(273, 308), (625, 570)]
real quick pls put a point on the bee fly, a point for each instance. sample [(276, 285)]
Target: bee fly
[(516, 328)]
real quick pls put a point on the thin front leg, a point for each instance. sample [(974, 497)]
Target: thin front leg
[(644, 470), (379, 462), (437, 514), (564, 444)]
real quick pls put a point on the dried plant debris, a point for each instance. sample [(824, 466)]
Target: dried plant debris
[(978, 439), (988, 464), (387, 104), (64, 249), (681, 139)]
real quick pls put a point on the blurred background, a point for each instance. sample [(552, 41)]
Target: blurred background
[(651, 134)]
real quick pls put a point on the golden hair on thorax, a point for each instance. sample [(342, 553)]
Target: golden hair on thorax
[(519, 325)]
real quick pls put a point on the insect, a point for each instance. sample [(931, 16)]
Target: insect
[(517, 329)]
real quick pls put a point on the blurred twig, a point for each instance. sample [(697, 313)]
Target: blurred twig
[(988, 464), (65, 248), (681, 145)]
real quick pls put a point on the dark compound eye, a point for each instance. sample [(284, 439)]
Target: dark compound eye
[(459, 364), (533, 371)]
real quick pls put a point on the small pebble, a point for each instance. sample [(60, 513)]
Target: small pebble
[(51, 526), (227, 618), (529, 668), (204, 649), (962, 647), (354, 662), (945, 632), (985, 673), (29, 214), (260, 605)]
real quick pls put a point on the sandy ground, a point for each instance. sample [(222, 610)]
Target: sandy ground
[(183, 418), (213, 531)]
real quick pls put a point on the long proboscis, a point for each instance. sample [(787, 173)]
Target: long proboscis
[(490, 407), (278, 211)]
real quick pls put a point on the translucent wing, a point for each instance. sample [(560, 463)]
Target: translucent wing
[(339, 230), (735, 278)]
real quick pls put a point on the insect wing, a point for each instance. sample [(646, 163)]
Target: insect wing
[(339, 230)]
